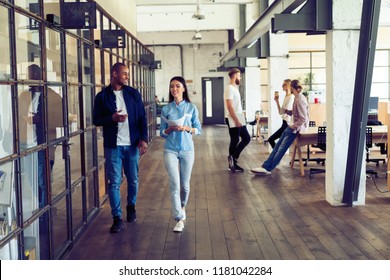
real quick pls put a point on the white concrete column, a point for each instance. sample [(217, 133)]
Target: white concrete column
[(341, 59), (252, 88), (277, 72)]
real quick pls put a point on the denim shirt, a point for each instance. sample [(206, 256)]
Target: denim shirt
[(180, 140)]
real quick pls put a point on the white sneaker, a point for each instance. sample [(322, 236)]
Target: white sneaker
[(260, 171), (179, 226)]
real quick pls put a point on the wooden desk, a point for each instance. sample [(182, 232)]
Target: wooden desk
[(379, 135)]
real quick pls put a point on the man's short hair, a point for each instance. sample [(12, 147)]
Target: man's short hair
[(117, 67), (233, 71)]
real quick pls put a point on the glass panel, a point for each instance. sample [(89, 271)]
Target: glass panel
[(75, 155), (90, 192), (59, 224), (89, 156), (77, 207), (31, 116), (107, 68), (380, 74), (55, 113), (87, 96), (73, 108), (298, 60), (5, 69), (30, 5), (209, 100), (58, 185), (7, 201), (318, 59), (380, 90), (6, 122), (86, 63), (71, 59), (28, 48), (381, 58), (318, 76), (34, 191), (36, 240), (53, 45), (51, 7), (98, 69), (10, 250)]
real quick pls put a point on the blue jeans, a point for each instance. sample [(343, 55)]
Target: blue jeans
[(280, 149), (179, 168), (125, 157)]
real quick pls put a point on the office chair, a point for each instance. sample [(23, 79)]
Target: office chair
[(369, 145), (321, 144)]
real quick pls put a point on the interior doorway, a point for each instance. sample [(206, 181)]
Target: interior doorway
[(212, 100)]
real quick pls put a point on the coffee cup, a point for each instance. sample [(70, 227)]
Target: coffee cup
[(276, 93)]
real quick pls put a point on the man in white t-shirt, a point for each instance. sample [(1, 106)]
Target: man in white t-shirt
[(235, 120)]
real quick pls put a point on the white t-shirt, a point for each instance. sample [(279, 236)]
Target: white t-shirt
[(287, 105), (231, 92), (123, 137)]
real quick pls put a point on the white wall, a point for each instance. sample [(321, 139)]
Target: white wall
[(124, 11), (198, 60)]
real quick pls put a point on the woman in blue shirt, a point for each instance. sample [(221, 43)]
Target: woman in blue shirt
[(179, 121)]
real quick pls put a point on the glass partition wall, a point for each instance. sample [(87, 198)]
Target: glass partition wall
[(52, 179)]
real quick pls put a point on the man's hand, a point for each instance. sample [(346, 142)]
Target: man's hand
[(117, 117), (142, 146)]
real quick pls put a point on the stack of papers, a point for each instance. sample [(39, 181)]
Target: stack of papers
[(178, 122)]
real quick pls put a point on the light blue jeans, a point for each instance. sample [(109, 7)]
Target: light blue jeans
[(125, 157), (280, 149), (179, 168)]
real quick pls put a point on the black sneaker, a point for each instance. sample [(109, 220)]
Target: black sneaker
[(131, 213), (117, 226), (231, 164), (238, 168)]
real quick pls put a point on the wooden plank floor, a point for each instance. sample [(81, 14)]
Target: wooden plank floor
[(241, 216)]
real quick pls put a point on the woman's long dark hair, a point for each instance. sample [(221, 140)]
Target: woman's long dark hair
[(183, 82)]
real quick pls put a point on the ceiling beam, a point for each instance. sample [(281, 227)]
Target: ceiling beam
[(262, 25), (191, 2)]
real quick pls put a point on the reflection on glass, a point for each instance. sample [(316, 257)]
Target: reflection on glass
[(58, 183), (34, 191), (10, 250), (55, 113), (6, 122), (102, 182), (86, 63), (87, 96), (90, 193), (107, 68), (75, 155), (31, 115), (77, 207), (88, 136), (53, 46), (73, 108), (98, 68), (28, 49), (5, 69), (8, 210), (36, 240), (30, 5), (59, 225), (71, 59)]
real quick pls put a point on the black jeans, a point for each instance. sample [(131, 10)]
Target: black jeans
[(277, 134), (236, 146)]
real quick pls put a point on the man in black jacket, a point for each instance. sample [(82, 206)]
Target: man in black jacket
[(120, 111)]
